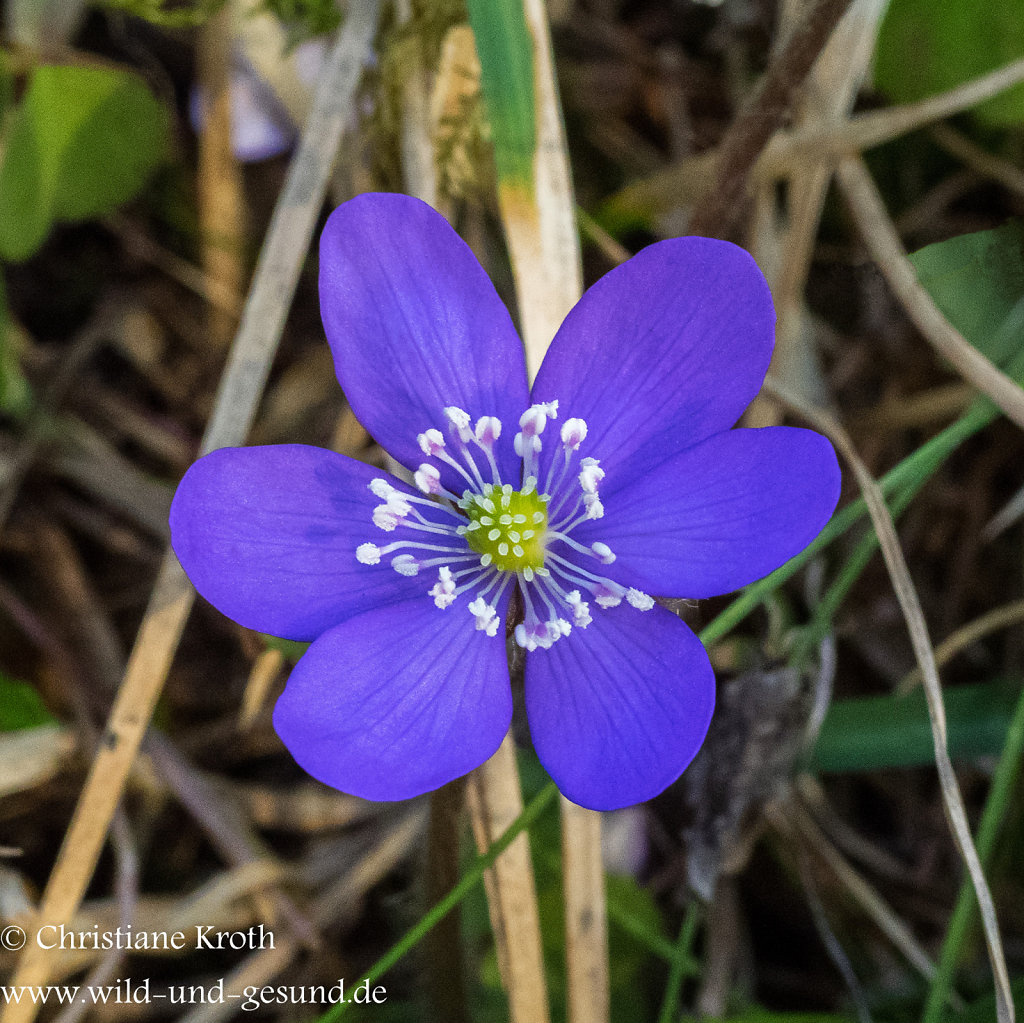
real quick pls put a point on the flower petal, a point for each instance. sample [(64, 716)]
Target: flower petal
[(415, 325), (720, 515), (397, 701), (619, 709), (268, 535), (663, 351)]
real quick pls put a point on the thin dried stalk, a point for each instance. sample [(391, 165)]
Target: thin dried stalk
[(249, 363), (918, 630), (495, 801), (872, 129), (991, 621), (763, 114), (586, 931), (884, 916), (979, 159), (883, 243), (219, 181), (549, 280)]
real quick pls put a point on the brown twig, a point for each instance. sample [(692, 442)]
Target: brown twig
[(763, 114)]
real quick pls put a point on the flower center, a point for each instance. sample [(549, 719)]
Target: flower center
[(502, 536), (507, 526)]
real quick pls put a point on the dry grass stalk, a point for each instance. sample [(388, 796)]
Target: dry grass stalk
[(249, 363), (219, 182), (910, 605), (540, 226), (495, 800)]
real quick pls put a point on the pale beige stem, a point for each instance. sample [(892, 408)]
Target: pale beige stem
[(219, 178), (495, 800), (540, 225)]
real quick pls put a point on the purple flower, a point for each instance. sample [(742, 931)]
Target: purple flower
[(616, 478)]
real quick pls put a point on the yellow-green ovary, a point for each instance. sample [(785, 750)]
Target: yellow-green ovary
[(508, 525)]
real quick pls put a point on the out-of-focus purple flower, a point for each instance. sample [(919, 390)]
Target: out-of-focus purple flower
[(260, 126), (615, 478)]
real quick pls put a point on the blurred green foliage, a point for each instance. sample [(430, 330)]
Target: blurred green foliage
[(83, 141), (169, 14), (20, 706), (927, 47), (304, 19), (894, 731)]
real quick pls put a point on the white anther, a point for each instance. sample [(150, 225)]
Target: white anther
[(574, 432), (431, 443), (580, 609), (536, 417), (526, 444), (460, 420), (368, 554), (485, 615), (427, 479), (443, 591), (523, 638), (405, 564), (488, 430), (399, 503), (602, 552), (606, 597), (640, 600), (592, 505), (385, 518), (381, 488), (591, 474)]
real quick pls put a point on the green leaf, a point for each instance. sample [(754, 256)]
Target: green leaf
[(505, 47), (894, 731), (977, 280), (83, 141), (984, 1009), (926, 47), (20, 706)]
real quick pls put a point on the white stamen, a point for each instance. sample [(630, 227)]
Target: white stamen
[(573, 433), (602, 552), (580, 609), (535, 418), (460, 420), (606, 597), (443, 591), (405, 564), (640, 600), (428, 479), (591, 474), (386, 519), (485, 615), (592, 503), (381, 488), (368, 554), (488, 430), (431, 443)]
